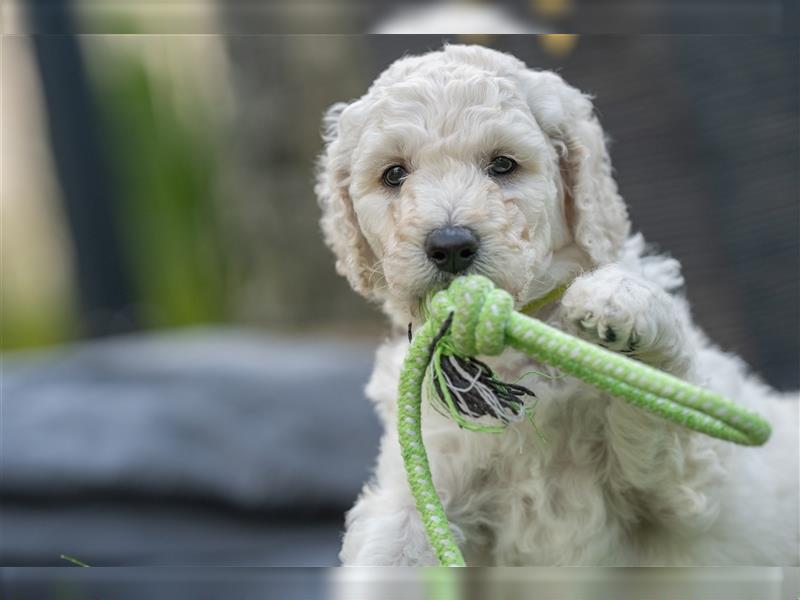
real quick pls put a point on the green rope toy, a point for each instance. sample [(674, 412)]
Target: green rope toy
[(471, 318)]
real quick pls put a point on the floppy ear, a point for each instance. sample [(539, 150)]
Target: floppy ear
[(594, 209), (354, 258)]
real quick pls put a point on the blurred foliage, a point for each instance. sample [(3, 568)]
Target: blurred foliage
[(39, 307), (165, 170), (34, 325), (38, 299)]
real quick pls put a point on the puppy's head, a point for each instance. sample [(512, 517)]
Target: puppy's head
[(465, 161)]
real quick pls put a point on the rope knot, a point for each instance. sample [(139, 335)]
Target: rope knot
[(480, 315)]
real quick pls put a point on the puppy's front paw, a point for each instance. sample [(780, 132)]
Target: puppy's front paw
[(622, 312)]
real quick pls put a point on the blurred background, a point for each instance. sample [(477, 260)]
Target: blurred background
[(183, 369)]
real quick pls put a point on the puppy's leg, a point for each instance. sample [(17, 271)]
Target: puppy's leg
[(665, 469), (384, 529)]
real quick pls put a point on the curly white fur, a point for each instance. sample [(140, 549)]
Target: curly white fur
[(611, 484)]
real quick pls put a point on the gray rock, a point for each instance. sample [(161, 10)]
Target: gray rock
[(256, 422), (199, 447)]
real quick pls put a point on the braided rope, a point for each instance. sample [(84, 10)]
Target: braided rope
[(484, 323)]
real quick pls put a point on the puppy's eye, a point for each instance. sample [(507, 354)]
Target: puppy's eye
[(502, 165), (394, 175)]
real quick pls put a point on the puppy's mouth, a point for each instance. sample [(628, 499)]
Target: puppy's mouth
[(441, 281)]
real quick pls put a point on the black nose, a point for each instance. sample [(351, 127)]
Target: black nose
[(452, 249)]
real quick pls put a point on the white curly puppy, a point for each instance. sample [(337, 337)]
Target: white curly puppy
[(465, 161)]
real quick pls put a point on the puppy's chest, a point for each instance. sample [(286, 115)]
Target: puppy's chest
[(536, 478)]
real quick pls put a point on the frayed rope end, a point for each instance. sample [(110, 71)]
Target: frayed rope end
[(468, 389)]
